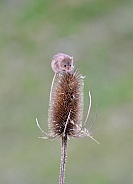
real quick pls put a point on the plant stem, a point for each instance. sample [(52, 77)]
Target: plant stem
[(63, 159)]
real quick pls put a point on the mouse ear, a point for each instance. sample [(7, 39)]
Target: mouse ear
[(71, 58)]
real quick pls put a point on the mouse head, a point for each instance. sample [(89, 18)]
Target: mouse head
[(62, 63)]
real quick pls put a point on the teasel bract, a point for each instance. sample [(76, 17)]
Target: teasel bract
[(65, 113)]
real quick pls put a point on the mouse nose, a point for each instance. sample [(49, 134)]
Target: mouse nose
[(67, 68)]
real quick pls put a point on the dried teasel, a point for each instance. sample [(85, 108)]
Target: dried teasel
[(66, 107), (65, 113)]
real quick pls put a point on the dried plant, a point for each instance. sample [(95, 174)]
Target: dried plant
[(66, 112)]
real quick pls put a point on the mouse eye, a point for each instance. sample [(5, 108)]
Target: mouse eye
[(70, 65), (65, 66)]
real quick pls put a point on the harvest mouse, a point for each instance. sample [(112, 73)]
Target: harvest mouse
[(62, 63)]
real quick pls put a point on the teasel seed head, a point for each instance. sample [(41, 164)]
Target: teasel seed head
[(66, 106)]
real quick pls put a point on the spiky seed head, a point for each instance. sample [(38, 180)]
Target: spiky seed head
[(66, 108)]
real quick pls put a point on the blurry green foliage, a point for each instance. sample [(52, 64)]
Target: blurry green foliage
[(99, 34)]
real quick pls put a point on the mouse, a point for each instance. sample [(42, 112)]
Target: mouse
[(62, 63)]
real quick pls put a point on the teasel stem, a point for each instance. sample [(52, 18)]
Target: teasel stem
[(63, 159)]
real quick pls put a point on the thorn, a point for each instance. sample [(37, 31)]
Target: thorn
[(93, 139), (39, 126), (88, 113)]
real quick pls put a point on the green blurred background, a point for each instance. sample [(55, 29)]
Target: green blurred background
[(99, 35)]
